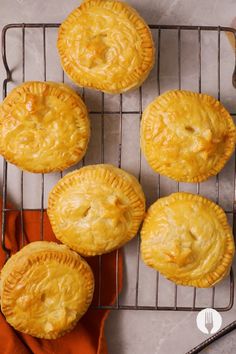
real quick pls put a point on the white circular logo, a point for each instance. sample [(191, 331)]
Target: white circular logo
[(209, 321)]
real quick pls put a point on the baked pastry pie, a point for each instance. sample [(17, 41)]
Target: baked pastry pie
[(96, 209), (187, 238), (106, 45), (187, 136), (44, 127), (45, 288)]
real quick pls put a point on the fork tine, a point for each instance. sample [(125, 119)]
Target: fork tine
[(206, 317), (211, 317)]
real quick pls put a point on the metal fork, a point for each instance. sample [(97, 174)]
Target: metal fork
[(209, 321)]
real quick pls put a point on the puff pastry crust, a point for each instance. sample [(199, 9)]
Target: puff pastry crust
[(106, 45), (96, 209), (44, 127), (187, 238), (45, 288), (187, 136)]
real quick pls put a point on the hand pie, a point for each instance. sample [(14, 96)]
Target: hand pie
[(45, 288), (44, 127), (187, 238), (96, 209), (187, 136), (106, 45)]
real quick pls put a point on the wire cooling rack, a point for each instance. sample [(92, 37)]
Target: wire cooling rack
[(143, 289)]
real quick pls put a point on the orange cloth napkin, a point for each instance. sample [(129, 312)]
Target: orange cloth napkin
[(88, 335)]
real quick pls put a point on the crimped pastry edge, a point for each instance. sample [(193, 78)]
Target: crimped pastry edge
[(65, 256), (141, 27), (177, 94), (221, 270), (57, 88), (104, 173)]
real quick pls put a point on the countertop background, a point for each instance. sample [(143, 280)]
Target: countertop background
[(143, 332)]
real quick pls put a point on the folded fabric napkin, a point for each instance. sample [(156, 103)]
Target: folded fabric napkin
[(88, 336)]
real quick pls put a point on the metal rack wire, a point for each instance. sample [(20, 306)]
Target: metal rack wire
[(158, 30)]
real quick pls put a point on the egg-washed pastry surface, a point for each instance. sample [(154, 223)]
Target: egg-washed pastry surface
[(106, 45), (45, 288), (44, 127), (187, 238), (96, 209), (187, 136)]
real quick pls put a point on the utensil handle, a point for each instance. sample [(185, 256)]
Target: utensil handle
[(213, 338)]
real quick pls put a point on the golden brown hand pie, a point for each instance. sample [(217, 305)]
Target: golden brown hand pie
[(187, 238), (96, 209), (44, 127), (45, 288), (106, 45), (187, 136)]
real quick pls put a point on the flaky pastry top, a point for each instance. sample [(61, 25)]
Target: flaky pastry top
[(187, 136), (188, 239), (44, 127), (45, 289), (96, 209), (106, 45)]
